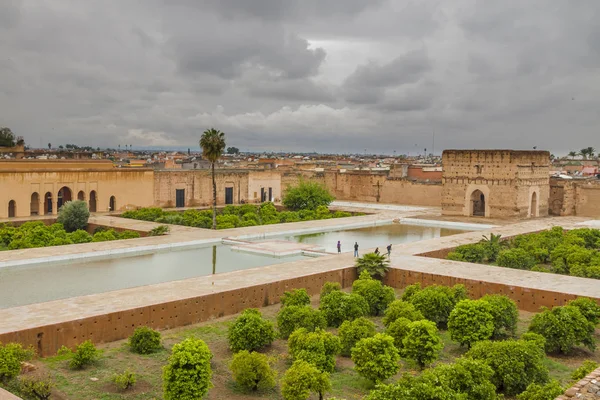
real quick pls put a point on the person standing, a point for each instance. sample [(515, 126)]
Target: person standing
[(376, 251), (339, 247), (355, 249), (389, 250)]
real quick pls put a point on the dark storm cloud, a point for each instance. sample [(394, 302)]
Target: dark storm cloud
[(341, 74)]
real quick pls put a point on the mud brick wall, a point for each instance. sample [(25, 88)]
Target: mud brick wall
[(586, 389)]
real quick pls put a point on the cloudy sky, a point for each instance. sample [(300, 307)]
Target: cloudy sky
[(303, 75)]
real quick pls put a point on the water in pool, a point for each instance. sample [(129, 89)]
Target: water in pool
[(373, 236), (22, 285)]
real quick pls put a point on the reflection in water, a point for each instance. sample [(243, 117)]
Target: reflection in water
[(214, 259)]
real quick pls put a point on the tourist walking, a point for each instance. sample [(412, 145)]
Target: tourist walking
[(339, 247), (376, 251), (389, 250), (355, 249)]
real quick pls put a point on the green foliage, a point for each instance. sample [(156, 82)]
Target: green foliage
[(105, 236), (398, 330), (505, 314), (302, 379), (252, 371), (563, 328), (588, 307), (306, 195), (549, 391), (471, 321), (35, 388), (422, 343), (587, 367), (250, 331), (351, 332), (535, 338), (187, 375), (329, 287), (73, 215), (145, 340), (477, 253), (376, 358), (401, 309), (516, 364), (296, 297), (339, 306), (85, 354), (377, 265), (128, 235), (318, 348), (11, 355), (516, 258), (125, 380), (435, 302), (159, 230), (374, 292), (79, 236), (291, 318)]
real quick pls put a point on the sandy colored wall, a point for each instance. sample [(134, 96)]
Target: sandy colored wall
[(572, 197), (588, 200), (264, 179)]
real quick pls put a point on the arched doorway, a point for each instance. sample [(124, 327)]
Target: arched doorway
[(48, 203), (64, 195), (34, 207), (81, 195), (534, 205), (477, 204), (92, 201), (12, 209), (112, 204)]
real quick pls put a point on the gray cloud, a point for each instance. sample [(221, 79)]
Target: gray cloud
[(328, 75)]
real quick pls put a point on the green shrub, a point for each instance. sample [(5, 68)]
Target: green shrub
[(306, 195), (80, 236), (351, 332), (291, 318), (398, 330), (549, 391), (73, 215), (289, 216), (250, 331), (296, 297), (125, 380), (329, 287), (376, 358), (378, 295), (563, 328), (318, 348), (516, 364), (188, 373), (475, 253), (105, 236), (145, 340), (129, 235), (231, 221), (435, 302), (35, 388), (422, 343), (377, 265), (588, 307), (516, 258), (252, 371), (471, 321), (401, 309), (322, 212), (342, 214), (505, 313), (302, 379), (159, 230), (11, 355), (586, 368), (339, 306), (535, 338), (85, 354)]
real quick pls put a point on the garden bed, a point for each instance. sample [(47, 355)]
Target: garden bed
[(94, 382), (234, 216)]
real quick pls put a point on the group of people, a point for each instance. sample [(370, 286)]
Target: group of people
[(388, 248)]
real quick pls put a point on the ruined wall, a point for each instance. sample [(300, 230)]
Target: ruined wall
[(508, 180), (575, 197), (198, 186), (587, 196), (264, 179), (562, 197)]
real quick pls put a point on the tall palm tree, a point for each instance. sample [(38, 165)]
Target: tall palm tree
[(213, 144), (572, 154)]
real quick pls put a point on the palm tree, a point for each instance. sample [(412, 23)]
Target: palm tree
[(376, 265), (589, 152), (213, 144), (572, 154)]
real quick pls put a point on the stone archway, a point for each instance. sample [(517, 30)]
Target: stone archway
[(81, 195), (93, 199), (534, 212), (112, 204), (64, 195), (48, 203), (12, 209), (478, 203), (34, 207)]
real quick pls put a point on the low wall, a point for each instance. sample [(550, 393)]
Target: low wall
[(586, 389), (120, 325)]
